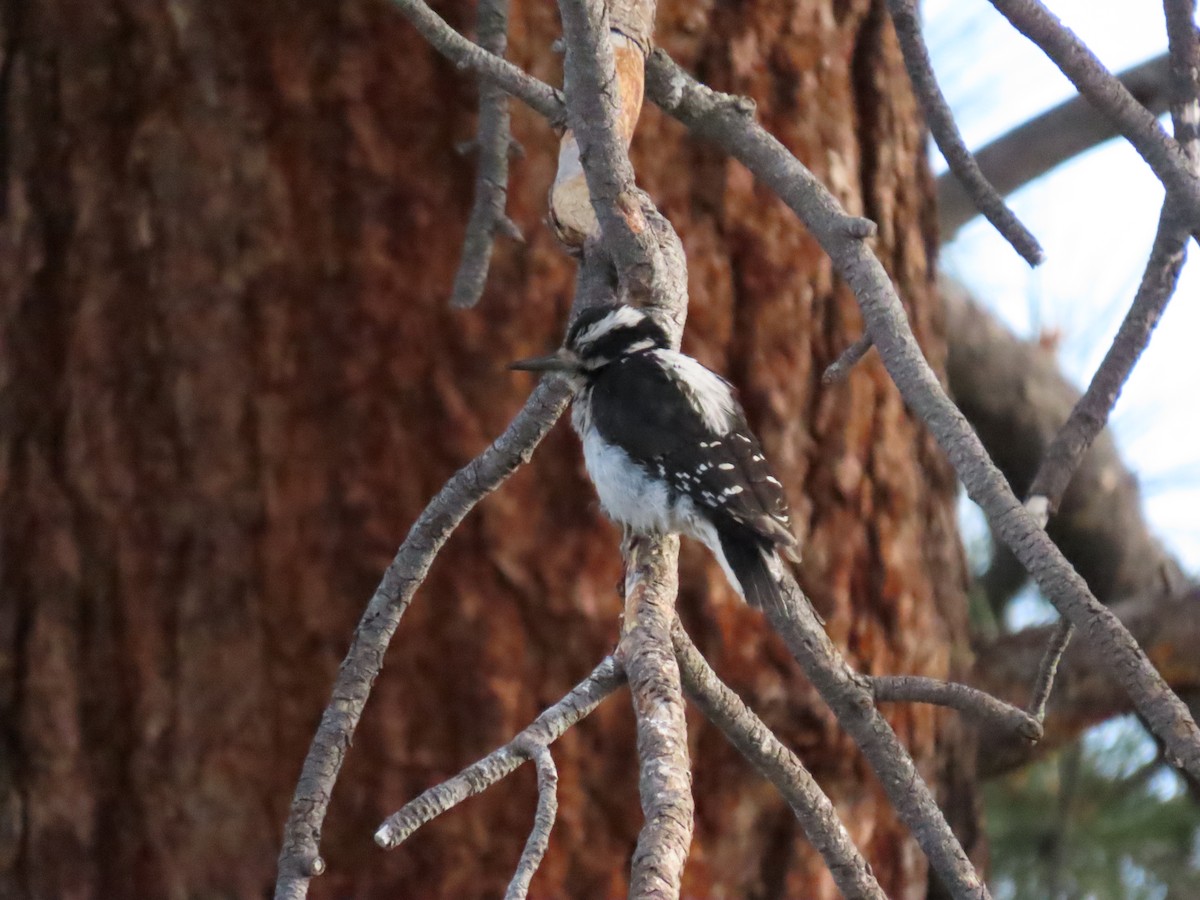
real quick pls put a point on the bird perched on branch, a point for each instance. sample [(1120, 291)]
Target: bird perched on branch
[(667, 446)]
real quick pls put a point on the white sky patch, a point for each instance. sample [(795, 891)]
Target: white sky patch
[(1095, 216)]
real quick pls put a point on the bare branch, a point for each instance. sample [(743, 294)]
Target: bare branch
[(624, 212), (1164, 156), (1158, 284), (711, 115), (543, 821), (651, 582), (1091, 413), (1048, 668), (964, 698), (945, 132), (775, 762), (466, 54), (851, 356), (1044, 142), (491, 179), (477, 777), (1015, 396), (299, 858), (1166, 625), (850, 697)]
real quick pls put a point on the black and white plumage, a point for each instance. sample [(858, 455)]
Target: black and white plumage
[(667, 446)]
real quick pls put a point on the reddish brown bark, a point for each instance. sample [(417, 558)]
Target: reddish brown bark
[(230, 380)]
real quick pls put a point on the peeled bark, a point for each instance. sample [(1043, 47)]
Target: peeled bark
[(230, 380)]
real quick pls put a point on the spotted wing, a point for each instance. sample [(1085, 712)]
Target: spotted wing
[(642, 407)]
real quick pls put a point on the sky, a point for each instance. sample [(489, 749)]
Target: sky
[(1095, 217)]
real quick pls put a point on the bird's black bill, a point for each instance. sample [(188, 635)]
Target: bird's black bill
[(555, 362)]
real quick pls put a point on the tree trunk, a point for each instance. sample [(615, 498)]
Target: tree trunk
[(229, 381)]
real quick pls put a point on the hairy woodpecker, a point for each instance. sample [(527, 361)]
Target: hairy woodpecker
[(667, 445)]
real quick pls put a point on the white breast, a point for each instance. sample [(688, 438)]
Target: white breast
[(629, 496)]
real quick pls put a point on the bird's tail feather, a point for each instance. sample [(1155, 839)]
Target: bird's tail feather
[(756, 567)]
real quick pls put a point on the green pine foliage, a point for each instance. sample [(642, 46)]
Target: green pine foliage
[(1104, 820)]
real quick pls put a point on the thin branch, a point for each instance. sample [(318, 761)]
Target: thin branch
[(715, 116), (477, 777), (543, 822), (1167, 626), (465, 54), (665, 785), (1162, 154), (1048, 668), (780, 766), (299, 859), (850, 697), (1091, 413), (491, 178), (851, 356), (945, 132), (964, 698), (1031, 150), (1159, 280)]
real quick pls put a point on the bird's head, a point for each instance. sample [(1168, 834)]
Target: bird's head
[(599, 336)]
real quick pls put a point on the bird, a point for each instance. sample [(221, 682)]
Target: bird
[(667, 446)]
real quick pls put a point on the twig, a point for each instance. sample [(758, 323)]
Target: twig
[(1039, 145), (964, 698), (543, 822), (850, 697), (1163, 155), (1048, 668), (1167, 627), (945, 132), (715, 117), (851, 356), (775, 762), (1159, 280), (477, 777), (1091, 413), (299, 859), (466, 54), (645, 651), (491, 178)]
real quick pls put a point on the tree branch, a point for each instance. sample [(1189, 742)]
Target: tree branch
[(850, 697), (945, 132), (1031, 150), (1164, 156), (466, 54), (1016, 397), (543, 822), (665, 786), (964, 698), (491, 179), (633, 232), (1168, 627), (477, 777), (1161, 275), (775, 762), (851, 356), (299, 859), (715, 116)]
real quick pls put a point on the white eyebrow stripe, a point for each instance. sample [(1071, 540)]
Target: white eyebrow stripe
[(622, 317)]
